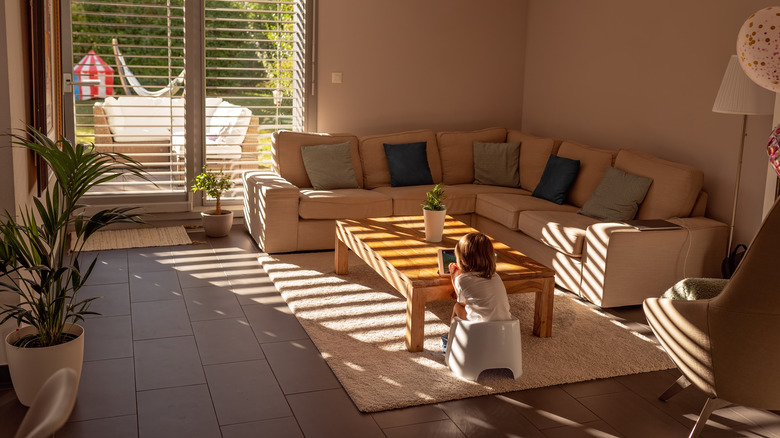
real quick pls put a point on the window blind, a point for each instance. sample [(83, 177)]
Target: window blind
[(129, 67)]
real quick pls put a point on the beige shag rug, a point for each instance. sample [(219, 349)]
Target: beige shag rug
[(357, 322), (137, 238)]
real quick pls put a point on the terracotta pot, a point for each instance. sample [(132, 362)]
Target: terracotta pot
[(31, 367), (434, 224), (217, 225)]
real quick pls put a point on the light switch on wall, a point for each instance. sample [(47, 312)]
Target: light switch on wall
[(336, 77)]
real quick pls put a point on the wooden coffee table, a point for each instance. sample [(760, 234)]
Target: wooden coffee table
[(396, 249)]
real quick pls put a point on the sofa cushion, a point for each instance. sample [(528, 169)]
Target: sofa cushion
[(408, 164), (134, 119), (228, 124), (407, 201), (593, 163), (563, 231), (374, 162), (213, 149), (481, 188), (505, 207), (675, 186), (329, 166), (343, 204), (455, 148), (288, 161), (212, 103), (558, 177), (533, 156), (497, 164), (617, 196)]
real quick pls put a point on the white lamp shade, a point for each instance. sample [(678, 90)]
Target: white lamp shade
[(739, 95)]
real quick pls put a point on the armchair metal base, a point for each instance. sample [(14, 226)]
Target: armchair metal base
[(712, 404)]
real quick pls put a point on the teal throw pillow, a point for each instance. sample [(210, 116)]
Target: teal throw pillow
[(497, 164), (329, 166), (408, 163), (617, 197), (558, 177)]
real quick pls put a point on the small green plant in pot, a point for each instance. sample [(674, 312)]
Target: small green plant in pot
[(41, 259), (434, 212), (216, 223)]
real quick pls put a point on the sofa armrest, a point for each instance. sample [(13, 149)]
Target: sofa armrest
[(623, 266), (104, 140), (271, 211)]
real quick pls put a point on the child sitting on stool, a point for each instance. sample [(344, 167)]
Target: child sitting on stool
[(480, 293)]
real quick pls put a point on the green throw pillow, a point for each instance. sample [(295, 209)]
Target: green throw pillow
[(497, 164), (329, 166), (696, 289), (617, 196)]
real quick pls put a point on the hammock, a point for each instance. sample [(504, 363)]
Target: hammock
[(129, 81)]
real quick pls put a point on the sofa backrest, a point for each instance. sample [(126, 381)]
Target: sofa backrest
[(457, 152), (593, 164), (288, 161), (675, 186), (376, 172), (534, 153)]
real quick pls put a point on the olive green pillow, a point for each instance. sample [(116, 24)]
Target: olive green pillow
[(329, 166), (497, 164), (696, 288), (617, 196)]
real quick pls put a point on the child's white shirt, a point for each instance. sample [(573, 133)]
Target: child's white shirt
[(485, 298)]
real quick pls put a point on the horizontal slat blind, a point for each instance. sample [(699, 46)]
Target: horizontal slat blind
[(250, 53), (129, 97), (254, 84)]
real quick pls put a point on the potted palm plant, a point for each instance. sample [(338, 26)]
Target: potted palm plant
[(41, 260), (434, 212), (216, 223)]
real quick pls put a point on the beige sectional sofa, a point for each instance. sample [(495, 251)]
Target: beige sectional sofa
[(608, 263)]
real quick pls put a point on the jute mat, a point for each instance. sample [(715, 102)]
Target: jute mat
[(137, 238), (357, 322)]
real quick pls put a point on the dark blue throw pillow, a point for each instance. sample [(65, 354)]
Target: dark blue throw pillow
[(408, 163), (558, 177)]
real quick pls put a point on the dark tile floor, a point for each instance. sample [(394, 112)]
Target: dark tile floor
[(195, 341)]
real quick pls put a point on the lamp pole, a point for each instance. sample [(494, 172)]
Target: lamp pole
[(736, 185)]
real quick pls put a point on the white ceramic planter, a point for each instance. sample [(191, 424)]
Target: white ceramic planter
[(434, 224), (217, 225), (10, 299), (31, 367)]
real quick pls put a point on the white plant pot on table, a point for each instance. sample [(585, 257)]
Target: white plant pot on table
[(434, 224)]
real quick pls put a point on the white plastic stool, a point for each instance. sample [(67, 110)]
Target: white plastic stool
[(473, 347)]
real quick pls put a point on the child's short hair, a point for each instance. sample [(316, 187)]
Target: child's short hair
[(475, 254)]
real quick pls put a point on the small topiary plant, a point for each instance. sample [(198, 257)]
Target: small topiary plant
[(434, 198), (214, 184)]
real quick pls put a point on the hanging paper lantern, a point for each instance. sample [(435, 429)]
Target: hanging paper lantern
[(758, 48), (773, 149)]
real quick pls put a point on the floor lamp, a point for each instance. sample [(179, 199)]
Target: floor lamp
[(739, 95)]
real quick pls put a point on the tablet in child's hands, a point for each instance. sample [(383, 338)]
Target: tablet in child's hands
[(446, 256)]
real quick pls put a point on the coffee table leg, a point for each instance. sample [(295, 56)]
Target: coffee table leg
[(543, 309), (415, 321), (341, 253)]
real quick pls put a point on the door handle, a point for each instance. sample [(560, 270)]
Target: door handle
[(68, 83)]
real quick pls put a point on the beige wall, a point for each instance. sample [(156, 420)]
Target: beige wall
[(410, 64), (644, 75), (13, 107), (14, 187)]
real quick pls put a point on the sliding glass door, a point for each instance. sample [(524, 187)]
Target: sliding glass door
[(182, 84)]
